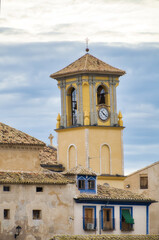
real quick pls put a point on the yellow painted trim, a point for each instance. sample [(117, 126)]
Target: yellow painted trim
[(87, 126), (110, 178)]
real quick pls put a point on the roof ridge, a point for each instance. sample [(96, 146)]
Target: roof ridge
[(11, 135), (86, 61), (143, 168)]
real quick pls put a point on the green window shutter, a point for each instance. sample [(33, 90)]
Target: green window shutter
[(126, 215)]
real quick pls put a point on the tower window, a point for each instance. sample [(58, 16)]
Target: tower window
[(101, 95), (74, 106)]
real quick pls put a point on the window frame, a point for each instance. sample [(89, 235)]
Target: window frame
[(5, 187), (74, 106), (34, 211), (38, 188), (112, 217), (7, 217), (101, 95), (141, 184), (131, 213), (84, 181), (94, 217), (89, 181), (87, 178)]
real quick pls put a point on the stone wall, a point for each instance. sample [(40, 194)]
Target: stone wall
[(55, 203)]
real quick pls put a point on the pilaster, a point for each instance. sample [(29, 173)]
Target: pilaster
[(94, 102), (111, 101), (63, 103), (80, 101), (90, 99)]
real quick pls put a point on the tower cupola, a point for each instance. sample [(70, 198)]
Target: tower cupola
[(88, 92)]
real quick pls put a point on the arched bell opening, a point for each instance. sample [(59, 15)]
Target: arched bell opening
[(102, 95), (71, 107)]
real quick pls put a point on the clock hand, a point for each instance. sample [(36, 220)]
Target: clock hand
[(104, 114)]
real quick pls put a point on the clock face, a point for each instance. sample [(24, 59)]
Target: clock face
[(103, 113)]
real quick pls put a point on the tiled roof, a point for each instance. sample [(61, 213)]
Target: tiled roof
[(9, 135), (20, 177), (87, 64), (113, 194), (80, 170), (106, 237), (48, 155)]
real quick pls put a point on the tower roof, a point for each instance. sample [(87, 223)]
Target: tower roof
[(87, 64)]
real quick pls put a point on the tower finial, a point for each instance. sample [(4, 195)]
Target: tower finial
[(87, 49)]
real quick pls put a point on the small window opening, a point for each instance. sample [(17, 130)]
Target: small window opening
[(39, 189), (101, 95), (143, 182), (6, 188), (36, 214), (6, 214), (91, 184), (81, 184)]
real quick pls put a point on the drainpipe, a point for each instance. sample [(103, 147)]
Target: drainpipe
[(100, 221)]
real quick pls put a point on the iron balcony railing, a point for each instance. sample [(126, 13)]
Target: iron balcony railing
[(89, 224), (126, 226)]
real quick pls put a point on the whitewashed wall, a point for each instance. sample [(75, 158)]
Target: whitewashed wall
[(139, 215)]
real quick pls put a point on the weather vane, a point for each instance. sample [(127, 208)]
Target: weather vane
[(87, 49)]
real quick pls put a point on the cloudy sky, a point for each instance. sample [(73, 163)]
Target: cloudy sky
[(39, 37)]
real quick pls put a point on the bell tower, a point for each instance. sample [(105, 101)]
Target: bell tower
[(89, 127)]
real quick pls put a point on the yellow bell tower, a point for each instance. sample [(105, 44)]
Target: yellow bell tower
[(89, 128)]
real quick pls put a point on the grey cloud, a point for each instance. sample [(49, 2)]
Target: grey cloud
[(10, 31)]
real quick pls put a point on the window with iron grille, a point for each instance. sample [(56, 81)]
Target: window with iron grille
[(89, 218), (126, 219)]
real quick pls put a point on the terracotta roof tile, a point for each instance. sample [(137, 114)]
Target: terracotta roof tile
[(9, 135), (48, 155), (87, 64), (113, 194), (80, 170), (43, 177), (106, 237)]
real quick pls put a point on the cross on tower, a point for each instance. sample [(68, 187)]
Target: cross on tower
[(51, 138)]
